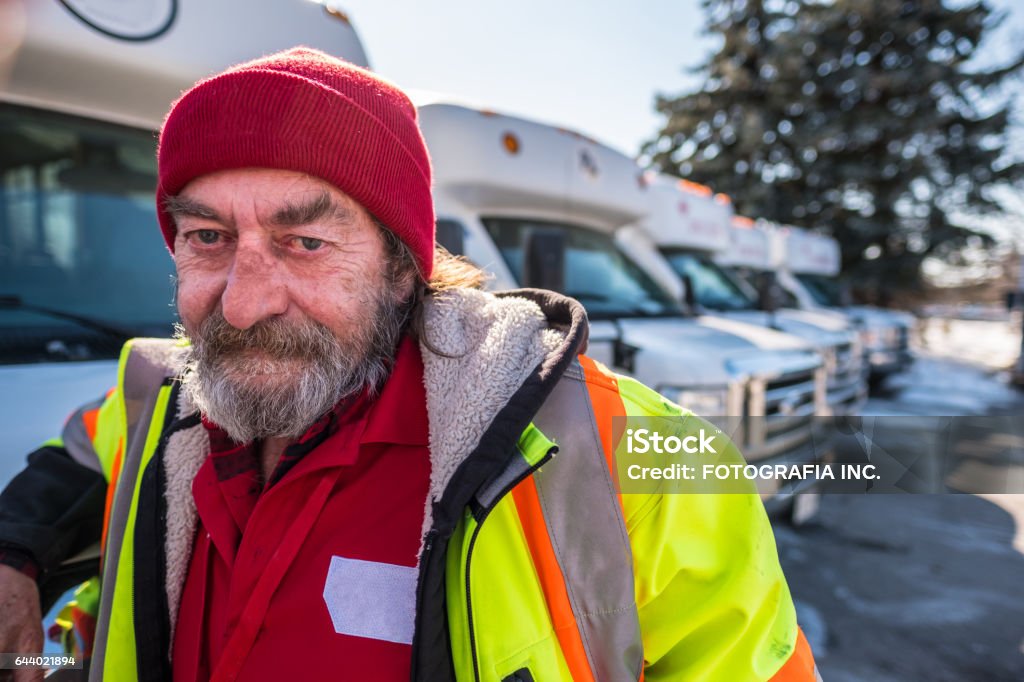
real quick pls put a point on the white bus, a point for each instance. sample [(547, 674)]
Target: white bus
[(538, 205), (810, 266), (84, 86), (689, 228)]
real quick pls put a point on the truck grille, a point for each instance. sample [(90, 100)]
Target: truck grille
[(903, 338), (780, 413), (844, 368)]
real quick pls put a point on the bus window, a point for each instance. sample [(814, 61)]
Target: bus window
[(78, 234)]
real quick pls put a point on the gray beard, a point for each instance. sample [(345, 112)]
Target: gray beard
[(277, 378)]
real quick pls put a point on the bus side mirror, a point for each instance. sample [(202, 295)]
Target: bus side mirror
[(544, 260), (689, 293), (449, 235), (767, 294)]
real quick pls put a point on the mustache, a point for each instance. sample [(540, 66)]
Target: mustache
[(302, 340)]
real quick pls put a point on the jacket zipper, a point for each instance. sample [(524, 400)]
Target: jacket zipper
[(472, 541)]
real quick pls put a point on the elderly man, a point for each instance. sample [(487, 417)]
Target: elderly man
[(355, 464)]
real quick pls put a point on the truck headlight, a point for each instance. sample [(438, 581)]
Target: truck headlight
[(879, 338), (705, 401), (870, 338)]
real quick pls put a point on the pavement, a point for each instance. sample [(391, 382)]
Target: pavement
[(911, 587), (908, 587)]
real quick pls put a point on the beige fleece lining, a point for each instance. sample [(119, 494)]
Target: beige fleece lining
[(496, 343), (186, 451)]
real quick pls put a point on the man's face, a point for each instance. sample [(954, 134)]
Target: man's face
[(282, 290)]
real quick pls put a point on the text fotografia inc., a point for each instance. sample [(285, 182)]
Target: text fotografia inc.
[(750, 472)]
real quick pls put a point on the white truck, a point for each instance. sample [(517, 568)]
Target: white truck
[(687, 228), (84, 85), (810, 266), (538, 205)]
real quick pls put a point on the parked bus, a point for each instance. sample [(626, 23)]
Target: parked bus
[(538, 205), (687, 228), (810, 266), (84, 87)]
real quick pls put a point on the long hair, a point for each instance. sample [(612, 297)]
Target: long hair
[(450, 272)]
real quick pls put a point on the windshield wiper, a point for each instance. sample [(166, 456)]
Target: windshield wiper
[(588, 295), (9, 302), (622, 308)]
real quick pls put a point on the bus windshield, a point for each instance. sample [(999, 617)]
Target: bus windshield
[(597, 274), (78, 238), (713, 288), (824, 290)]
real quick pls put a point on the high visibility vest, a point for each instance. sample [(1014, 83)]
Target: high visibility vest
[(549, 573)]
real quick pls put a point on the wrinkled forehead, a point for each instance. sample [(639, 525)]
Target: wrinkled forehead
[(275, 198)]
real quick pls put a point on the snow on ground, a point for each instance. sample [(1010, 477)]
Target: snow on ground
[(959, 369), (895, 588), (991, 344)]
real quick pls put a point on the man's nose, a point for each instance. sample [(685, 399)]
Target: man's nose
[(254, 290)]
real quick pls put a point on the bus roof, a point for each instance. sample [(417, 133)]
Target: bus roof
[(685, 214), (750, 245), (811, 253), (126, 62), (486, 161)]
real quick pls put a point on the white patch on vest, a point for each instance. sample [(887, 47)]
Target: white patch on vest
[(371, 599)]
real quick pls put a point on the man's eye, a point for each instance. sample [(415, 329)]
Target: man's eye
[(310, 244), (207, 236)]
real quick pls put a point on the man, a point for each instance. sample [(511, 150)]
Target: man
[(347, 466)]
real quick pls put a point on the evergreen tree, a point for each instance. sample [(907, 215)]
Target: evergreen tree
[(859, 118)]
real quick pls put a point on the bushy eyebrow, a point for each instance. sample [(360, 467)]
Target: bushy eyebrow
[(290, 215), (181, 207), (308, 212)]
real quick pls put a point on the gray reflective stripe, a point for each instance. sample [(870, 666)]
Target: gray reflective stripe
[(149, 362), (817, 675), (490, 493), (588, 533), (76, 439)]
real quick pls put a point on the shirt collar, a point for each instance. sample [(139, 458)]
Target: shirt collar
[(399, 414)]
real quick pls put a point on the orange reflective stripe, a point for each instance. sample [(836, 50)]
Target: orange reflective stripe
[(603, 388), (800, 666), (115, 471), (607, 403), (531, 516), (89, 418)]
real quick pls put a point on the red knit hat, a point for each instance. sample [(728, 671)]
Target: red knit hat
[(306, 111)]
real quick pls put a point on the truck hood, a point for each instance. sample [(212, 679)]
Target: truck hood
[(37, 399), (759, 335), (819, 331), (829, 320), (871, 317), (686, 352)]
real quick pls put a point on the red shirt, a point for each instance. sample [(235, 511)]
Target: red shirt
[(343, 607)]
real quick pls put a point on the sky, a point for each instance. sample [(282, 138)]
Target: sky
[(591, 65)]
